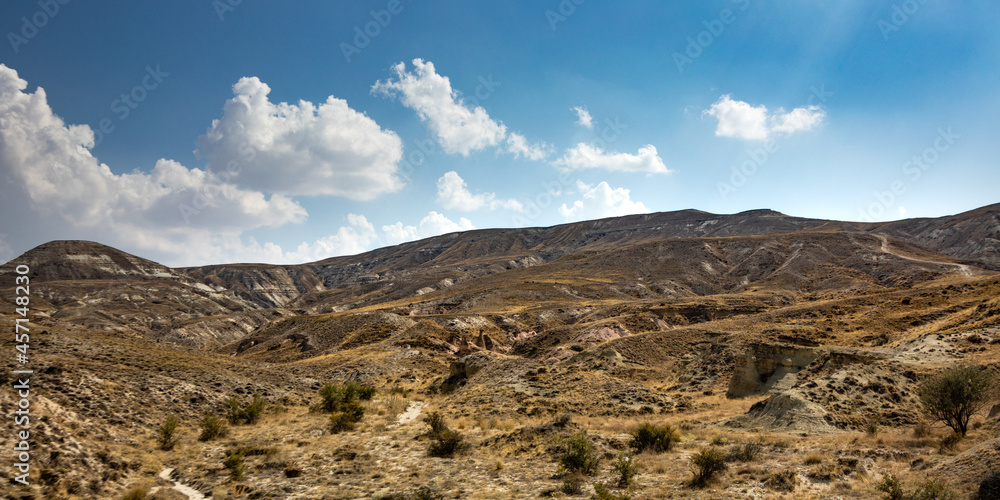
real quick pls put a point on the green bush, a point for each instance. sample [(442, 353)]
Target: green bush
[(626, 470), (341, 421), (891, 486), (932, 489), (212, 427), (657, 438), (366, 393), (578, 455), (436, 421), (238, 413), (166, 433), (234, 462), (446, 444), (957, 394), (706, 464), (333, 397)]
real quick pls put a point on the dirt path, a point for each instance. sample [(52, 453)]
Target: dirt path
[(412, 412), (191, 493), (964, 269)]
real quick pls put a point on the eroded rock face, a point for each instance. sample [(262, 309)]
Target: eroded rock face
[(788, 410), (769, 367), (464, 368)]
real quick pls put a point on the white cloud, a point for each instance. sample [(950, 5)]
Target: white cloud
[(796, 120), (454, 194), (601, 201), (301, 149), (518, 145), (741, 120), (584, 155), (583, 117), (356, 237), (55, 189), (431, 225), (458, 128)]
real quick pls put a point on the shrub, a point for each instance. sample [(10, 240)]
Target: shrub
[(746, 452), (573, 484), (446, 444), (706, 464), (626, 470), (989, 487), (166, 437), (578, 455), (238, 413), (932, 489), (949, 442), (891, 487), (785, 480), (234, 462), (366, 393), (957, 394), (577, 348), (602, 492), (350, 392), (871, 426), (436, 421), (331, 395), (658, 438), (344, 420), (212, 427)]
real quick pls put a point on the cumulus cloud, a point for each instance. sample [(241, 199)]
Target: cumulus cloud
[(453, 193), (459, 128), (601, 201), (584, 155), (301, 149), (518, 145), (741, 120), (583, 117), (56, 189), (431, 225)]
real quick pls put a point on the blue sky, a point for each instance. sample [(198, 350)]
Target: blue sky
[(457, 115)]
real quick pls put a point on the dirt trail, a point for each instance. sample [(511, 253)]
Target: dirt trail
[(411, 413), (191, 493), (964, 269)]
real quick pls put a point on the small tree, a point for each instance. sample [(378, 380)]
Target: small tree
[(957, 394), (166, 437)]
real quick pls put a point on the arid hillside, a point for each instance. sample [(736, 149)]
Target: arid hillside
[(793, 347)]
